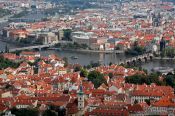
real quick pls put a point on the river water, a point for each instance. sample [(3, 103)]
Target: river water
[(86, 58), (4, 44)]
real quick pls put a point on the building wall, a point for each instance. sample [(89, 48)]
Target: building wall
[(141, 99)]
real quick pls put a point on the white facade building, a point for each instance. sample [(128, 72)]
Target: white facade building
[(82, 37)]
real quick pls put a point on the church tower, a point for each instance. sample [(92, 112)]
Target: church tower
[(80, 99)]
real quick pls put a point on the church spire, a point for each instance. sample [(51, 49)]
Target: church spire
[(80, 95)]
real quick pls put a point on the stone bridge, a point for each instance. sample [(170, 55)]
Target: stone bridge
[(39, 47), (139, 58), (31, 47)]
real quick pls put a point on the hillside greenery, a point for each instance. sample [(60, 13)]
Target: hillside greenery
[(5, 63), (168, 80)]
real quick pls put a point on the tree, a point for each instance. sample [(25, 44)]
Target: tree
[(24, 112), (94, 64), (89, 66), (146, 71), (84, 46), (58, 45), (136, 102), (110, 63), (148, 101), (140, 50), (61, 112), (25, 41), (67, 34), (9, 87), (136, 79), (96, 78), (35, 70), (135, 43), (66, 61), (83, 72), (5, 63), (140, 79), (77, 68), (17, 52), (49, 113), (170, 80), (170, 52), (110, 75)]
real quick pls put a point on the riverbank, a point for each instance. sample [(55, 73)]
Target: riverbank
[(85, 58), (164, 58), (89, 51)]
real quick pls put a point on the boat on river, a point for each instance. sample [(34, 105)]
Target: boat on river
[(74, 57)]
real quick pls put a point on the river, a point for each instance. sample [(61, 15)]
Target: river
[(4, 44), (86, 58)]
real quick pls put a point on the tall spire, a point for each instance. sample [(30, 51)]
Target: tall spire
[(80, 98)]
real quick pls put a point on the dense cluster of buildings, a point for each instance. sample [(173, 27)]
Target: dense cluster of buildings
[(35, 32), (145, 22), (15, 5), (42, 82), (48, 83)]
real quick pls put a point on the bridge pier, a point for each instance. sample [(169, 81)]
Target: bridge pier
[(128, 63), (39, 49), (146, 59), (140, 60), (134, 62), (151, 57)]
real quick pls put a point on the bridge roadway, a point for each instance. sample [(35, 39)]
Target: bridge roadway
[(37, 46), (143, 57)]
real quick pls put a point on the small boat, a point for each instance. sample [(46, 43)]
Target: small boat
[(74, 57)]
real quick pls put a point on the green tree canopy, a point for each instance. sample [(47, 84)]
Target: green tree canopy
[(49, 113), (96, 78), (66, 61), (110, 75), (67, 34), (148, 101), (136, 50), (24, 112), (170, 80), (77, 68), (5, 63), (170, 52), (141, 79), (83, 72)]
